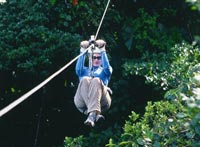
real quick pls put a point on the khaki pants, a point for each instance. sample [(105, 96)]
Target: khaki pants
[(92, 95)]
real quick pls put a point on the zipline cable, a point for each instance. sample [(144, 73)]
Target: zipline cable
[(102, 19), (29, 93), (93, 38)]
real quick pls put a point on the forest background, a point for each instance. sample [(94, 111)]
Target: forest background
[(153, 47)]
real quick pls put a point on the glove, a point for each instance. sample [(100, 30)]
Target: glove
[(84, 45), (100, 44)]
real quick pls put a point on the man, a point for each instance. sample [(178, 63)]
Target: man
[(93, 96)]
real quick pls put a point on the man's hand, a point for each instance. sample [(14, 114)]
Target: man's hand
[(84, 45), (100, 43)]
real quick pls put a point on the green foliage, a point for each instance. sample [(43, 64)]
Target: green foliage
[(33, 31), (95, 138), (33, 46), (146, 33), (195, 4), (30, 44), (166, 70), (38, 37), (167, 123), (73, 142), (155, 51), (159, 125)]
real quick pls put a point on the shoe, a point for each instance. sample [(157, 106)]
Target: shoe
[(91, 119), (100, 118)]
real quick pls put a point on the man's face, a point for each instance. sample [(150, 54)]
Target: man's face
[(96, 59)]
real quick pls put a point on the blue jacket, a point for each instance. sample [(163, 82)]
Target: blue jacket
[(103, 72)]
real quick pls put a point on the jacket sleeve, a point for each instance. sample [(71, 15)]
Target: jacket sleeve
[(105, 63), (80, 65)]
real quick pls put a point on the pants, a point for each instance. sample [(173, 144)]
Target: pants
[(92, 95)]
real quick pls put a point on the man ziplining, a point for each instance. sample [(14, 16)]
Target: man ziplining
[(93, 96), (102, 71)]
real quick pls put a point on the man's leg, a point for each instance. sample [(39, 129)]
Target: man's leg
[(94, 95), (94, 102), (106, 99), (81, 96), (99, 97)]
